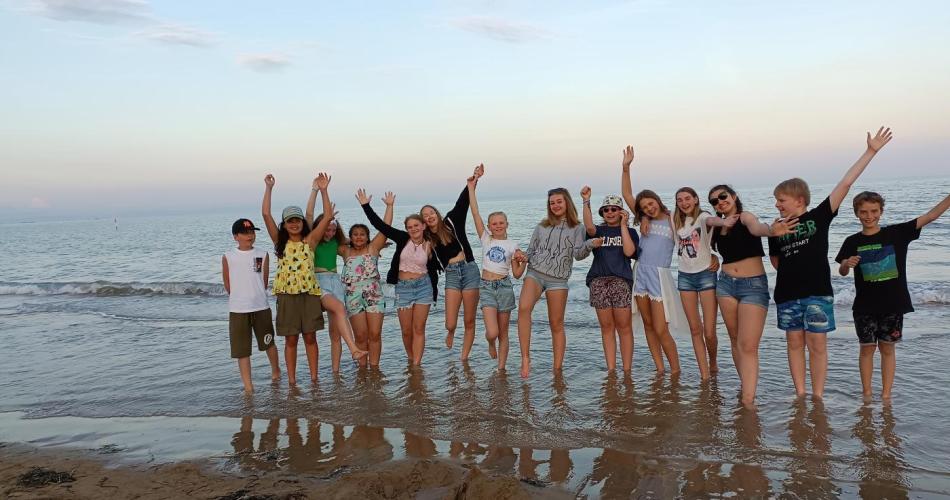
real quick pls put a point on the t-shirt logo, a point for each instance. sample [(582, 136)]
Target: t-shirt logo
[(496, 254), (878, 262), (689, 244), (258, 264)]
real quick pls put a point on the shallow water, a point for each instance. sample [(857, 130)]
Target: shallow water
[(127, 322)]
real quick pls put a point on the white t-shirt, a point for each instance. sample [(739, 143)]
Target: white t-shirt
[(245, 272), (693, 242), (497, 254)]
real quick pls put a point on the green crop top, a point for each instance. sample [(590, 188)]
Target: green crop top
[(324, 255)]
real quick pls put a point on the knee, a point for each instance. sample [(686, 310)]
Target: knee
[(696, 330), (557, 326), (310, 339), (795, 343), (291, 341), (818, 349), (335, 336), (608, 325), (748, 346), (470, 322)]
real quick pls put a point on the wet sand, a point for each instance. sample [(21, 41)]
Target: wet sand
[(28, 472)]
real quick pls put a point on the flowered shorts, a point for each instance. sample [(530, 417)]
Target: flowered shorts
[(364, 296), (610, 292)]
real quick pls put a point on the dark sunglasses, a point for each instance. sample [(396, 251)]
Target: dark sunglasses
[(610, 209), (723, 196)]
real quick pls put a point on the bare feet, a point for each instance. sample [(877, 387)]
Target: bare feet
[(713, 369), (357, 354), (492, 351), (275, 376), (525, 367), (449, 339), (292, 381), (886, 397)]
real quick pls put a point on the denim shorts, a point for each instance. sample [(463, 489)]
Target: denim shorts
[(330, 284), (546, 281), (499, 294), (752, 290), (412, 292), (813, 314), (696, 282), (462, 276)]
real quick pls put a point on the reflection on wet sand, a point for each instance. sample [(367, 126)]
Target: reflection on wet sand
[(881, 463), (810, 469)]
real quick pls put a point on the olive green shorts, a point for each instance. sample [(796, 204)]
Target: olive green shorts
[(241, 325), (298, 313)]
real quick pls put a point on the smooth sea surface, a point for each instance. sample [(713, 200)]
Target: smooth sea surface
[(123, 322)]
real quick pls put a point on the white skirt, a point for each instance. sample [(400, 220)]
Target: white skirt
[(672, 305)]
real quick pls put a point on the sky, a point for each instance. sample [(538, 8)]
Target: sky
[(143, 106)]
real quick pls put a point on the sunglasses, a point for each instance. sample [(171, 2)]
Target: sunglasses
[(610, 210), (723, 196)]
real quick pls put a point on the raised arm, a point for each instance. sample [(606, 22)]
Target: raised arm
[(882, 137), (265, 208), (934, 213), (588, 216), (379, 241), (316, 234), (385, 229), (626, 188), (629, 247), (473, 206), (459, 212), (311, 202)]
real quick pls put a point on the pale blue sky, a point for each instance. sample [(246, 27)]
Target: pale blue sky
[(114, 105)]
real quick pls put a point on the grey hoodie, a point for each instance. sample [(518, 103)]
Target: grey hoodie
[(553, 249)]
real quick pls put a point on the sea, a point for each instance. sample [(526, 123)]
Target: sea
[(112, 325)]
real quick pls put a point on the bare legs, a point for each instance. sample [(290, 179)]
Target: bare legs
[(702, 331), (412, 322), (290, 356), (454, 299), (750, 325), (496, 329), (614, 323), (729, 308), (244, 366), (657, 332), (557, 303), (530, 293), (817, 344), (339, 328)]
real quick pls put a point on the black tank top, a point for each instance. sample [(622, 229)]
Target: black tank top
[(737, 244)]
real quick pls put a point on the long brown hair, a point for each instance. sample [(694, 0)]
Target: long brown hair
[(570, 212), (679, 217), (646, 194), (442, 233)]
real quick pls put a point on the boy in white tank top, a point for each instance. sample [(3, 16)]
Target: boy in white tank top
[(244, 271)]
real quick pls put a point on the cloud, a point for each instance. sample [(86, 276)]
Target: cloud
[(37, 202), (500, 29), (264, 63), (95, 11), (176, 34)]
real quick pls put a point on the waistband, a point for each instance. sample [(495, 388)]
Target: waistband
[(413, 281), (724, 276), (495, 283)]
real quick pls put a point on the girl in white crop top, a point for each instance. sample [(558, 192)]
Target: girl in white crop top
[(500, 256)]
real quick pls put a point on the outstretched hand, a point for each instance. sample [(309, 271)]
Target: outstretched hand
[(627, 156), (269, 180), (322, 181), (333, 212), (782, 227), (882, 137), (585, 193), (479, 170), (362, 197), (389, 198)]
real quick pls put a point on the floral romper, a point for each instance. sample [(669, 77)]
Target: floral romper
[(361, 279)]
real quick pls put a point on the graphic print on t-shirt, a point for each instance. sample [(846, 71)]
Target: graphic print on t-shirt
[(792, 242), (689, 244), (496, 254), (878, 262)]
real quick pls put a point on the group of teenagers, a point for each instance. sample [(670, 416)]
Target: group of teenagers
[(629, 276)]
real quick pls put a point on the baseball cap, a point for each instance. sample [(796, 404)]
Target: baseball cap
[(291, 212), (611, 200), (243, 226)]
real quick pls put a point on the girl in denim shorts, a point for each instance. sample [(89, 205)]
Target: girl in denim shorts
[(450, 246), (414, 271), (696, 278), (500, 256)]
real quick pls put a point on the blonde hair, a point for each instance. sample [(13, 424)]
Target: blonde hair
[(570, 214), (497, 214), (794, 187)]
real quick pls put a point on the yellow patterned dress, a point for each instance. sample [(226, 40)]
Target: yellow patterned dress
[(295, 271)]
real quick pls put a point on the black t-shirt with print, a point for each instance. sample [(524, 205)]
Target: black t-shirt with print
[(880, 279), (803, 269)]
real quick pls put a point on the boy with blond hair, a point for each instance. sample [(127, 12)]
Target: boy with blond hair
[(878, 256), (803, 293)]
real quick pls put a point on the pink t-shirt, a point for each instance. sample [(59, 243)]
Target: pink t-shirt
[(414, 257)]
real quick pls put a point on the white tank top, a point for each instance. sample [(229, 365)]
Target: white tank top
[(245, 272)]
